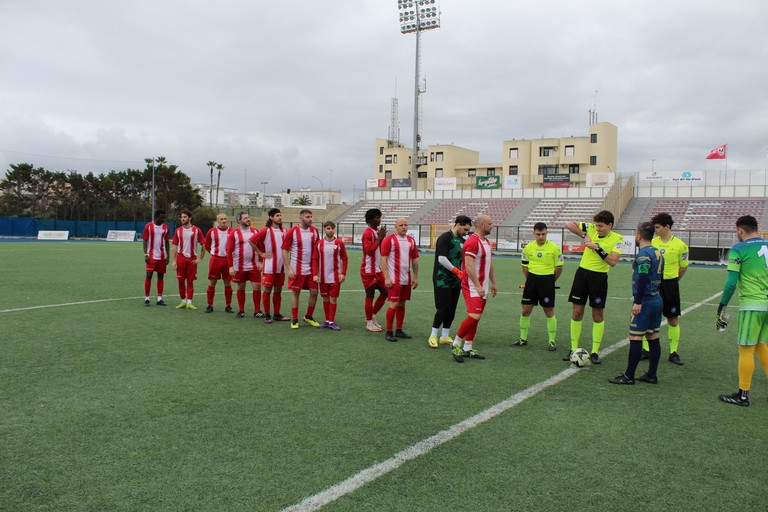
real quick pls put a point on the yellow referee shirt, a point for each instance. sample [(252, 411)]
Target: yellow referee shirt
[(675, 254), (542, 259), (590, 260)]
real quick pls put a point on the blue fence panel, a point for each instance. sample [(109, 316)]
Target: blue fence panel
[(18, 226)]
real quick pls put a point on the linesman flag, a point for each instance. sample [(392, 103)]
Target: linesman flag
[(719, 153)]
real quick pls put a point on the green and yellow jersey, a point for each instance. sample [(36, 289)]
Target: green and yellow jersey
[(542, 260), (750, 259), (675, 253), (590, 260)]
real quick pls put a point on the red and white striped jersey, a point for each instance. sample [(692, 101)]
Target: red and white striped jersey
[(216, 241), (329, 260), (371, 252), (187, 240), (156, 237), (481, 251), (400, 252), (269, 240), (240, 253), (301, 244)]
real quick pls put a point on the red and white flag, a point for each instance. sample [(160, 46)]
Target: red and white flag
[(719, 153)]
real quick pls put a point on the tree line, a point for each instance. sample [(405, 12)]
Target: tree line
[(29, 191)]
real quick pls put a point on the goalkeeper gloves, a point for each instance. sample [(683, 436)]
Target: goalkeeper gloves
[(722, 318), (458, 273)]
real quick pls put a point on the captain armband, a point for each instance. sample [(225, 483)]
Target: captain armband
[(600, 252)]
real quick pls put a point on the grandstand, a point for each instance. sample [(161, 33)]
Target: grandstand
[(390, 211), (556, 212), (445, 212), (697, 214)]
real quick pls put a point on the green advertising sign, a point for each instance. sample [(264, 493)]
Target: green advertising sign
[(486, 182)]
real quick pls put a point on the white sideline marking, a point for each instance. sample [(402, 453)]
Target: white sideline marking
[(425, 446), (67, 304)]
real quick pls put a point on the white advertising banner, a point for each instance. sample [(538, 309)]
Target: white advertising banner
[(371, 183), (445, 183), (53, 235), (512, 182), (678, 177), (115, 235), (600, 179)]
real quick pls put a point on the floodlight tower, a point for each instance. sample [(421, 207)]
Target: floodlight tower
[(417, 16)]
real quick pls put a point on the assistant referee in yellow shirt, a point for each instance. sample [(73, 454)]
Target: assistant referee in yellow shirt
[(675, 253)]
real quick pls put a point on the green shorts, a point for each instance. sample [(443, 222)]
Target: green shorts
[(753, 328)]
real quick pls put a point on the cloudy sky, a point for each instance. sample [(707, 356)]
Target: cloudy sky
[(296, 91)]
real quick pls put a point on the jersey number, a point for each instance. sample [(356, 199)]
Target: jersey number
[(764, 253)]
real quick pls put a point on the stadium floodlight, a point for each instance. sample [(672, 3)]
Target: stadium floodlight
[(417, 16)]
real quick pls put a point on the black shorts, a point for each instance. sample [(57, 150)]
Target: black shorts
[(588, 283), (670, 294), (539, 290)]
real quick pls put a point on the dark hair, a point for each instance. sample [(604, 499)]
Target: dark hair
[(539, 226), (604, 216), (372, 214), (272, 212), (159, 213), (329, 223), (463, 220), (645, 229), (747, 222), (302, 212), (663, 219), (240, 215), (187, 213)]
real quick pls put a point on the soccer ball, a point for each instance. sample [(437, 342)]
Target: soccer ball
[(580, 357)]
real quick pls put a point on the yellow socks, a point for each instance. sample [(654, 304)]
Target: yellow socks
[(575, 333), (598, 329), (551, 328), (525, 324)]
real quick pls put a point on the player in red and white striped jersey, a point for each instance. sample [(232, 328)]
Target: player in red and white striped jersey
[(218, 267), (399, 255), (244, 264), (269, 243), (298, 246), (329, 270), (156, 236), (184, 257), (370, 269), (478, 281)]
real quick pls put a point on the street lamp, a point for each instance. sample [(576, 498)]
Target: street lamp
[(417, 16), (322, 189), (264, 192)]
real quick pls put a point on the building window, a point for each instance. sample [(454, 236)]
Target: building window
[(439, 156), (513, 170), (512, 152), (547, 151), (593, 138), (490, 171), (394, 159), (422, 174), (438, 173), (431, 157), (472, 173), (569, 150), (593, 160), (545, 170), (388, 159), (388, 175), (573, 169), (381, 168), (381, 150)]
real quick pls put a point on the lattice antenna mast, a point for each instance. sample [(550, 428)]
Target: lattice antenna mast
[(394, 125), (417, 16)]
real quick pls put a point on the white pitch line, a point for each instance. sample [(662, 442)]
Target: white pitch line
[(425, 446), (67, 304)]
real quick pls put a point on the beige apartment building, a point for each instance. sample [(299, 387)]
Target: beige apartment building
[(546, 163)]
